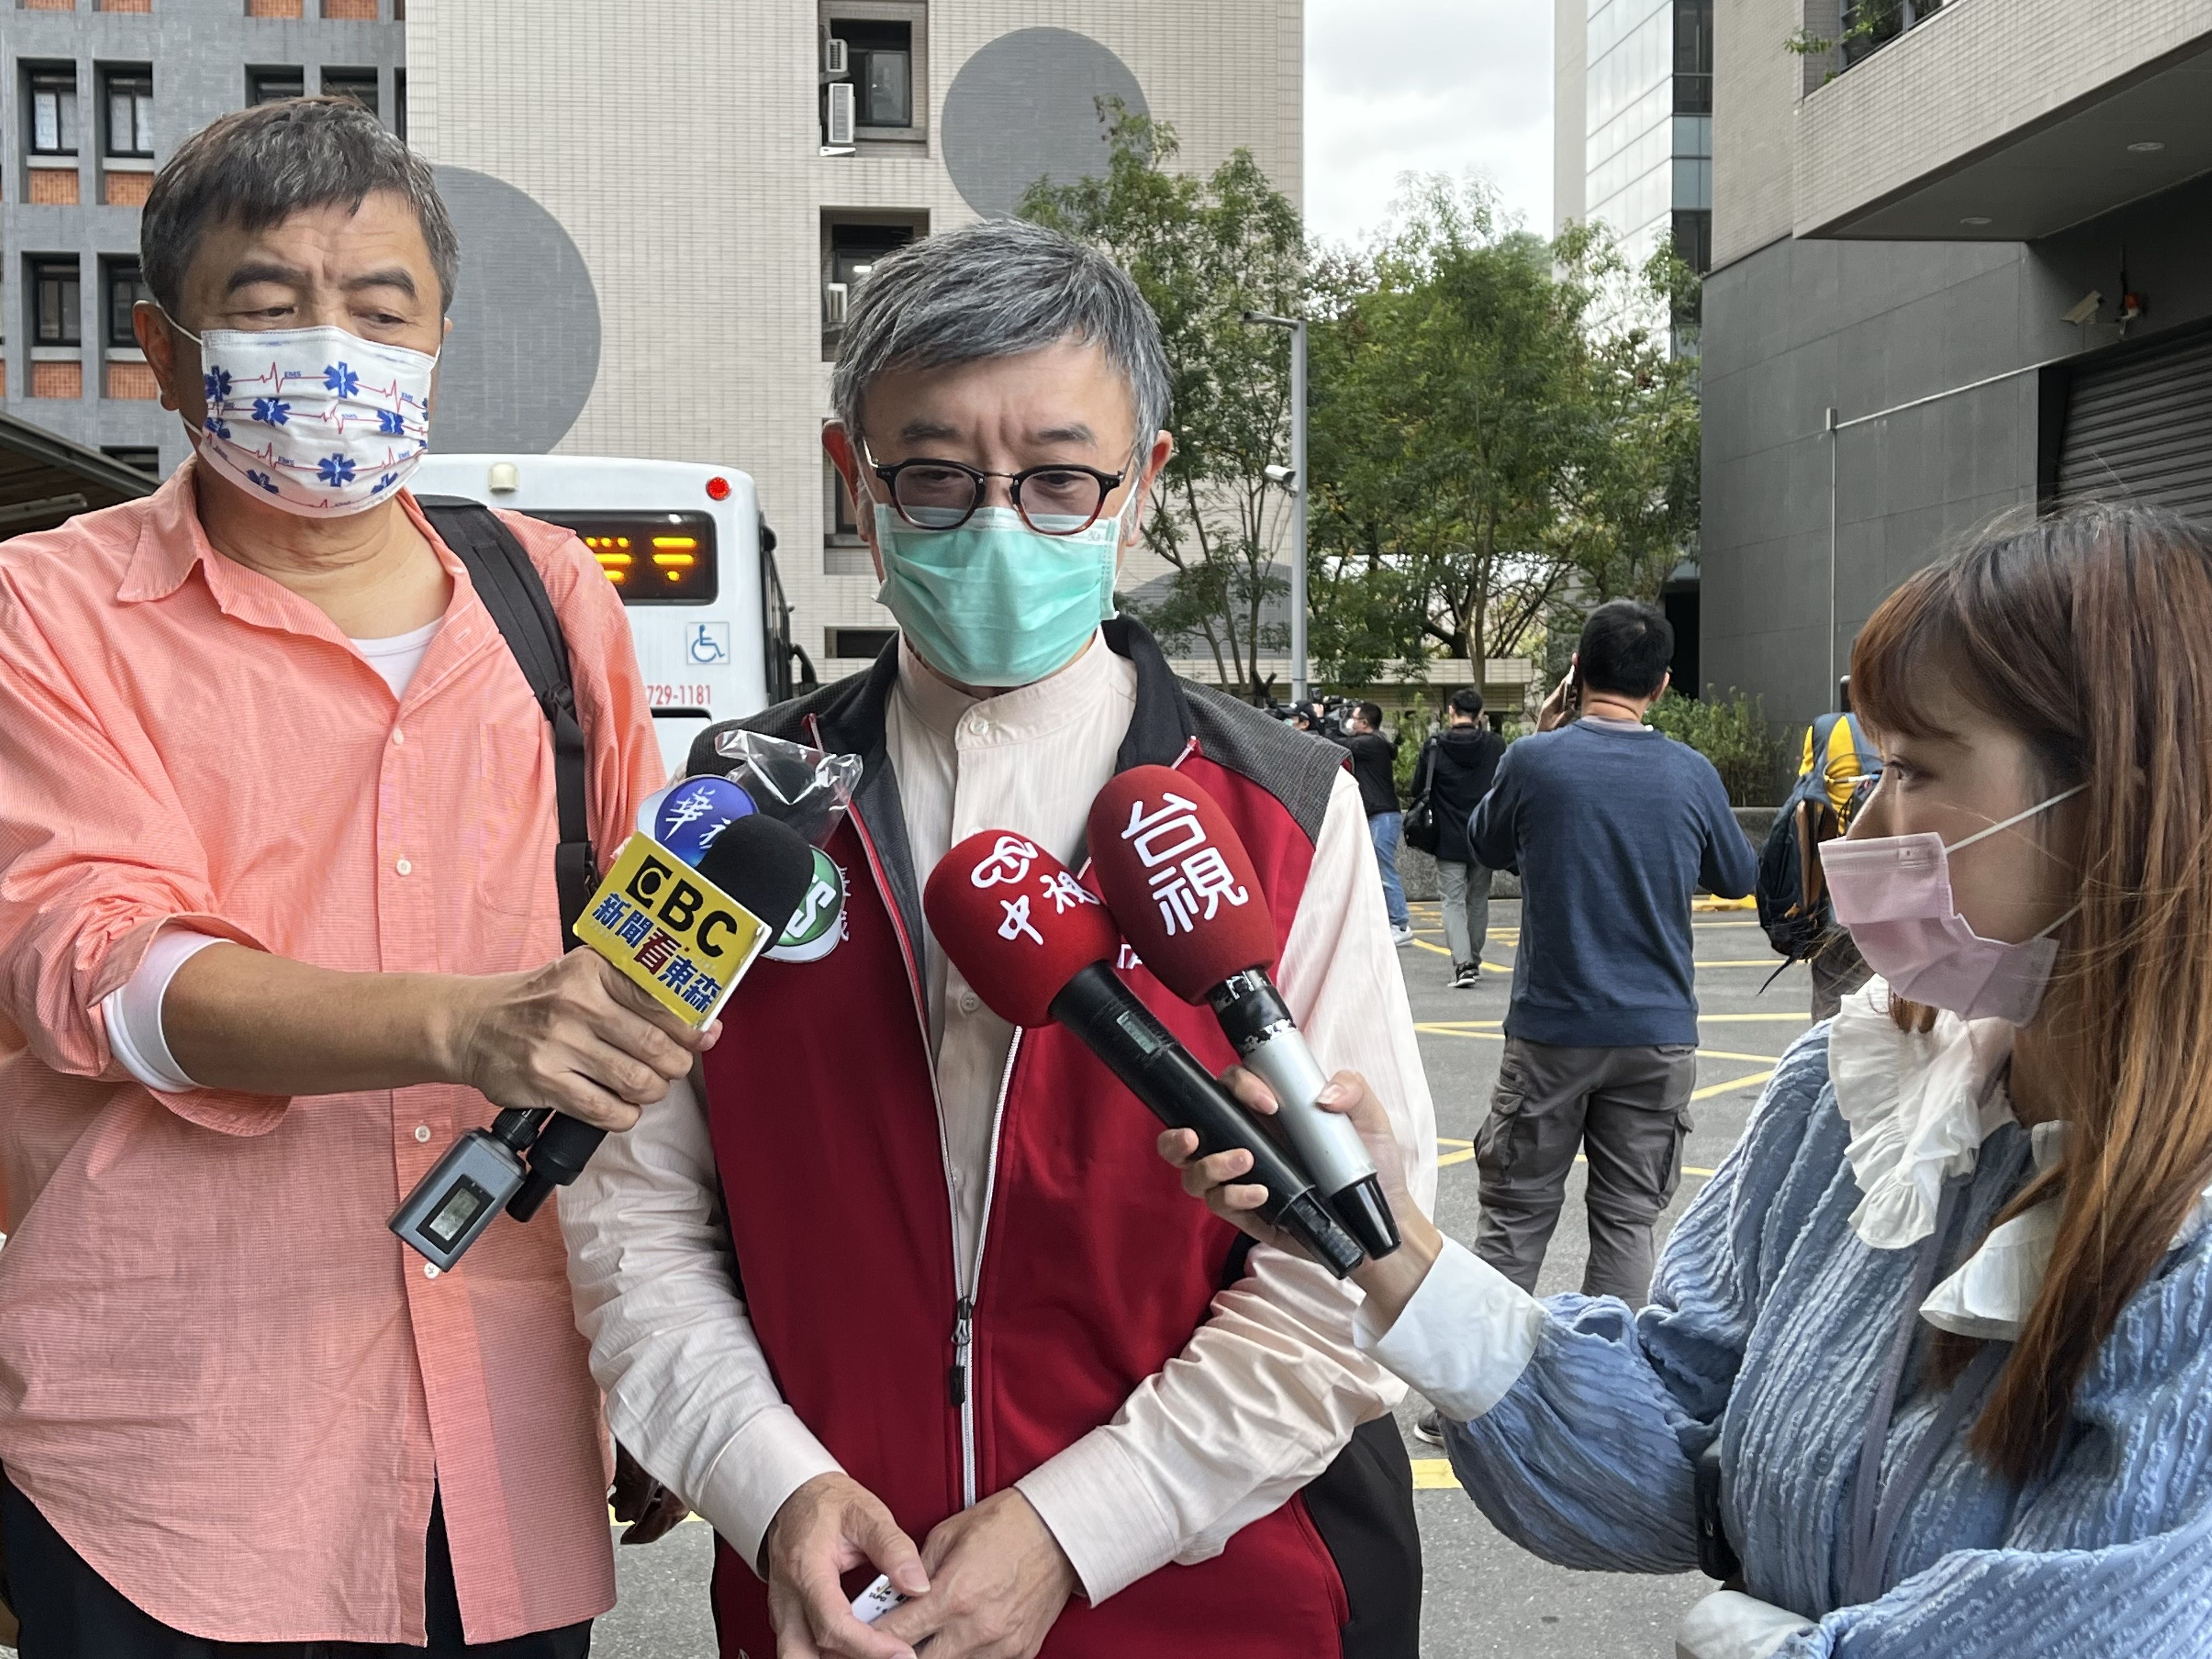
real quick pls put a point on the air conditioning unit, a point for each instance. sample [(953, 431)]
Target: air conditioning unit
[(842, 107), (834, 296), (834, 61)]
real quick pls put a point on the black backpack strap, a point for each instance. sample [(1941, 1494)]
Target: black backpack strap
[(515, 593)]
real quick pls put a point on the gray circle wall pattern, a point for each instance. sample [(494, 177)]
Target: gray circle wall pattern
[(525, 298), (1025, 107)]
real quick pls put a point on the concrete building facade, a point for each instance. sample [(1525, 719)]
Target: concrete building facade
[(93, 96), (659, 236), (1966, 273)]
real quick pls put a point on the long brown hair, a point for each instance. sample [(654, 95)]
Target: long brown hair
[(2090, 635)]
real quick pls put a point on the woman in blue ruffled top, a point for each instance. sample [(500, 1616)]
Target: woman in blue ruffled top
[(1931, 1355)]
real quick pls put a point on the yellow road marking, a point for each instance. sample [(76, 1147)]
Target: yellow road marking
[(1743, 1019), (1729, 1088), (1754, 962), (1723, 1053), (1434, 1475)]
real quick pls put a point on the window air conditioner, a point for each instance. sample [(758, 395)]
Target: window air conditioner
[(833, 57), (834, 296), (842, 113)]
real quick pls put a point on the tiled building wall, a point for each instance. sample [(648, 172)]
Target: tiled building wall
[(677, 142), (1757, 82), (1963, 79), (198, 51)]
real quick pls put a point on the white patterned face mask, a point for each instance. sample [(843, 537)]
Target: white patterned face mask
[(316, 422)]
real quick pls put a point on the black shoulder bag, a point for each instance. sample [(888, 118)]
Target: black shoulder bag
[(515, 594)]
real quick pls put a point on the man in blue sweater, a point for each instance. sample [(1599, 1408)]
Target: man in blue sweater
[(1614, 827)]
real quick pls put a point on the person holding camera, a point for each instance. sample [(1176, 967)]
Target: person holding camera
[(1925, 1369)]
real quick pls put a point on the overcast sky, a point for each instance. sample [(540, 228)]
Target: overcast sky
[(1426, 86)]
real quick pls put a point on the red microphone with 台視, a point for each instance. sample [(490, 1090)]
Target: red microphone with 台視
[(1179, 881)]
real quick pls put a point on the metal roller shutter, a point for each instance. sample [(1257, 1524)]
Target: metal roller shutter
[(2141, 430)]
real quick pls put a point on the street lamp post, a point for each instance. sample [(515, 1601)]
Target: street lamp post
[(1294, 480)]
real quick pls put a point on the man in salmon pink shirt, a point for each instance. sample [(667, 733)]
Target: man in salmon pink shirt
[(278, 923)]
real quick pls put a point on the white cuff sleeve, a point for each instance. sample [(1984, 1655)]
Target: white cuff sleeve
[(1464, 1339), (1102, 1513), (132, 1011), (1729, 1625)]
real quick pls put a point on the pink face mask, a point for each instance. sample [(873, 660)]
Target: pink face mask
[(1893, 892)]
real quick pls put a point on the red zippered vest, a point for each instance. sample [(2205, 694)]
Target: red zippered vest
[(1095, 1269)]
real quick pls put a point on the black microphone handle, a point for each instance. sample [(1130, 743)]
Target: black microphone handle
[(1109, 1020), (563, 1148)]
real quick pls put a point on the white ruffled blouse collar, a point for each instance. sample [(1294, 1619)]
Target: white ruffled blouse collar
[(1919, 1106)]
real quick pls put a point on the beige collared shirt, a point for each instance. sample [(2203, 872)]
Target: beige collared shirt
[(1269, 1390)]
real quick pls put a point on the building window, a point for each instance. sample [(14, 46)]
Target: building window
[(1693, 239), (868, 643), (53, 111), (147, 460), (131, 112), (269, 86), (126, 288), (1694, 56), (852, 242), (884, 44), (399, 104), (57, 303), (358, 84), (879, 58)]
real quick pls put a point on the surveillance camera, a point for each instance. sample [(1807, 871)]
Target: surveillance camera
[(1285, 476), (2086, 311)]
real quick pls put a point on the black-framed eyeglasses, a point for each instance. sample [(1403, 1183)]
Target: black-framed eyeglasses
[(1063, 498)]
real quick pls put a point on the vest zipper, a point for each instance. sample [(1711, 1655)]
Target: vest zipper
[(959, 1381), (963, 1325)]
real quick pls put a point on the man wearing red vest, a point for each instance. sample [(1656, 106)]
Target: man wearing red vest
[(899, 1272)]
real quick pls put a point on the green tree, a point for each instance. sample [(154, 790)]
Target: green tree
[(1496, 428), (1731, 732), (1203, 250)]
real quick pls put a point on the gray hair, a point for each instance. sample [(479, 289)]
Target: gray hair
[(997, 289), (257, 167)]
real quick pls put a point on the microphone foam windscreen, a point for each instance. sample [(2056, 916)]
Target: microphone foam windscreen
[(763, 863), (1015, 923), (1177, 877)]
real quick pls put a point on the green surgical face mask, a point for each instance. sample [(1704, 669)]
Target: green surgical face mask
[(996, 603)]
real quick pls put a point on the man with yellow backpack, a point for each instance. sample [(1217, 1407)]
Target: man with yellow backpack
[(1837, 771)]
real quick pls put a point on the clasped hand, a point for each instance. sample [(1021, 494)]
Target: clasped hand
[(986, 1584)]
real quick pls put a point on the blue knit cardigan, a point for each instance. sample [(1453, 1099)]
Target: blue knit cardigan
[(1768, 1326)]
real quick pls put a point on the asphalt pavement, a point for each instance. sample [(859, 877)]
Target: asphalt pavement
[(1486, 1597)]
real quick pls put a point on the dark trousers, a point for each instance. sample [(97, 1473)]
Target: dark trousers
[(1627, 1110), (69, 1612)]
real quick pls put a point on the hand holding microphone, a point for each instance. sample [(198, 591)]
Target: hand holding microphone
[(606, 1029), (1220, 1181), (1176, 876), (1036, 946)]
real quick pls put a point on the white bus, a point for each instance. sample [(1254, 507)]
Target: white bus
[(686, 547)]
